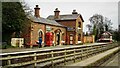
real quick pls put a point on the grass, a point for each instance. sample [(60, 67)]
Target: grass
[(6, 46), (80, 44)]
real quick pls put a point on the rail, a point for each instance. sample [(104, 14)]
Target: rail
[(51, 57)]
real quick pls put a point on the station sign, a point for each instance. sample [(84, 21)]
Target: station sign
[(48, 28)]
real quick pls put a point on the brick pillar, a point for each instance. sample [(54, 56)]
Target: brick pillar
[(60, 38)]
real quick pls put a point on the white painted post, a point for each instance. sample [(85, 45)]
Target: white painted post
[(52, 59), (60, 38), (35, 58), (9, 61), (74, 55)]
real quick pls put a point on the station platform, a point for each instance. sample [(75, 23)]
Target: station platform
[(92, 60), (11, 50)]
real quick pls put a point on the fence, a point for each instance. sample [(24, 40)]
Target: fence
[(51, 57)]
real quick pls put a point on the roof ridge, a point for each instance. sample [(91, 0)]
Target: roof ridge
[(44, 20), (66, 17), (66, 14)]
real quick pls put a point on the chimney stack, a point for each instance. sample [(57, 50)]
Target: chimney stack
[(37, 11), (74, 12), (56, 13)]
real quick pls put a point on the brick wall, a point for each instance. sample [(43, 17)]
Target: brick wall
[(75, 24), (68, 37), (78, 22), (88, 39), (42, 27), (69, 23), (35, 33), (62, 30)]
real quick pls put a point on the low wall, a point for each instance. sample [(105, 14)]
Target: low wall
[(88, 39)]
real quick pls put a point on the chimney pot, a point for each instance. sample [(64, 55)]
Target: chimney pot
[(37, 6), (74, 12), (56, 9)]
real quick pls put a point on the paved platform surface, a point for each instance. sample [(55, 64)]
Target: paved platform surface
[(11, 50), (93, 59), (113, 61)]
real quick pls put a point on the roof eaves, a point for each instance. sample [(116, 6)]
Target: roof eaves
[(81, 18)]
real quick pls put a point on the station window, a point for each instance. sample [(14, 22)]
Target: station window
[(79, 24)]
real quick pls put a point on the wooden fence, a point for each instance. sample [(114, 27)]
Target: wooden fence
[(51, 57)]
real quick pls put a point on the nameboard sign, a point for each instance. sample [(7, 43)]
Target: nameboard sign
[(48, 28)]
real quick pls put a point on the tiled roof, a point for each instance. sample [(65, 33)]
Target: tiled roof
[(66, 17), (43, 20), (106, 33)]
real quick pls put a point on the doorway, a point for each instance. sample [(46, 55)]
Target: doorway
[(71, 39), (58, 38), (40, 34)]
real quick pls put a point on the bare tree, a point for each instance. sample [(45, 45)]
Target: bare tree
[(100, 24), (107, 24), (97, 23), (89, 27), (26, 8), (96, 20)]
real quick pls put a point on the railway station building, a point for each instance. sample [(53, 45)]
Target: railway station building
[(64, 29)]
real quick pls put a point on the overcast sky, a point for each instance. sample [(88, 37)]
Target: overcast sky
[(107, 8)]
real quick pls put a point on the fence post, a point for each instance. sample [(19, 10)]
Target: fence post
[(98, 49), (65, 56), (92, 50), (101, 48), (95, 51), (81, 53), (74, 55), (105, 47), (35, 58), (87, 49), (52, 59), (9, 61)]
